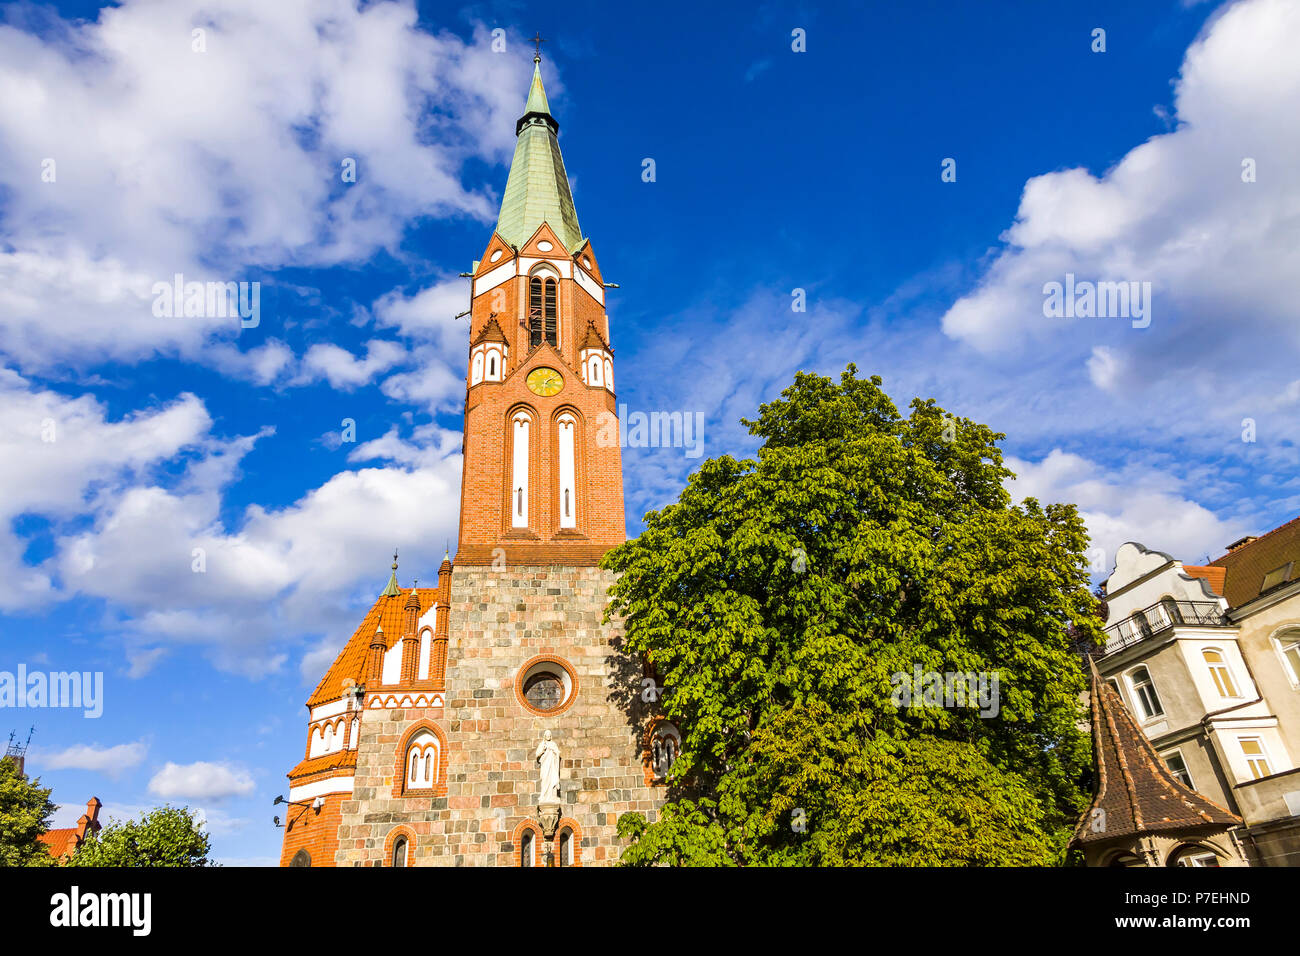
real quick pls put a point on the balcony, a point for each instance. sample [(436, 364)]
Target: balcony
[(1157, 618)]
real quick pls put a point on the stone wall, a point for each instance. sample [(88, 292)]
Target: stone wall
[(500, 621)]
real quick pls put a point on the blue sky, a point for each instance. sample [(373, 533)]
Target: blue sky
[(775, 170)]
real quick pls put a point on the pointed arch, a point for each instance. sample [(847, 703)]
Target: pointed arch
[(421, 766)]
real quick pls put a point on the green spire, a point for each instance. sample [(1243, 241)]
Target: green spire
[(391, 589), (537, 93), (537, 189)]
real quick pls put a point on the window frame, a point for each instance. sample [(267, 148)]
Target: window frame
[(1152, 709), (1262, 756), (1177, 752), (1220, 673)]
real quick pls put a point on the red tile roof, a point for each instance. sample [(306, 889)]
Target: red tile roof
[(387, 612), (60, 842), (1213, 576), (340, 760), (1246, 565), (1134, 789)]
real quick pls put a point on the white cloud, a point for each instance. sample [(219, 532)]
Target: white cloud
[(110, 760), (225, 163), (201, 780), (1174, 211), (343, 370), (59, 456), (1129, 504)]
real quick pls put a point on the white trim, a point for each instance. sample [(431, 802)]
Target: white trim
[(490, 280), (589, 286), (562, 267), (309, 791)]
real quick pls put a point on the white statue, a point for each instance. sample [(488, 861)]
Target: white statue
[(548, 759)]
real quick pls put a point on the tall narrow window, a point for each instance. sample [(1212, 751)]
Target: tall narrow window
[(1145, 692), (1219, 672), (399, 852), (1289, 644), (526, 849), (1178, 767), (568, 504), (521, 425), (534, 312), (550, 313), (1253, 750), (566, 848)]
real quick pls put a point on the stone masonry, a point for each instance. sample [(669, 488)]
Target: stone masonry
[(502, 620)]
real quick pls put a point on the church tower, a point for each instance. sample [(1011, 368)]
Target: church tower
[(543, 478), (492, 720)]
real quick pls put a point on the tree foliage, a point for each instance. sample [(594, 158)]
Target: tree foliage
[(25, 811), (165, 836), (778, 598)]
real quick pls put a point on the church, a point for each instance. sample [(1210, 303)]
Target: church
[(492, 720)]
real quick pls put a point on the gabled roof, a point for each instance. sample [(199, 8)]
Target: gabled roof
[(387, 612), (1134, 789), (537, 189), (594, 339), (491, 332), (1246, 565)]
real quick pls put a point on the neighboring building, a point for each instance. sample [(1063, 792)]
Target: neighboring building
[(1206, 659), (1142, 814), (427, 739), (64, 842)]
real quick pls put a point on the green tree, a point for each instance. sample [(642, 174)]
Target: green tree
[(778, 599), (25, 811), (165, 836)]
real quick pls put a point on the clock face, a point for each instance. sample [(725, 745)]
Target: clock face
[(544, 381)]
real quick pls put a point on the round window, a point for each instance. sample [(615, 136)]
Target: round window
[(545, 246), (546, 685), (495, 256), (545, 691)]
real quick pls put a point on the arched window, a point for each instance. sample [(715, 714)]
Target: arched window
[(355, 734), (301, 858), (492, 365), (543, 311), (527, 848), (399, 852), (1170, 609), (1288, 644), (568, 426), (665, 745), (1219, 671), (521, 427), (476, 368), (1193, 856), (422, 761), (1144, 692), (565, 856)]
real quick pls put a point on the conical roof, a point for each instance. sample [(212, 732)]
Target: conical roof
[(537, 189)]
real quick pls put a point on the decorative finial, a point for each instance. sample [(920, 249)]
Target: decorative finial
[(537, 56), (394, 559)]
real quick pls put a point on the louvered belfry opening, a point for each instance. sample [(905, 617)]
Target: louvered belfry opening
[(543, 312)]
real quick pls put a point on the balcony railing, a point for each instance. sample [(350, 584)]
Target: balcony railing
[(1150, 621)]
